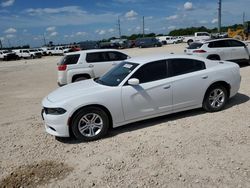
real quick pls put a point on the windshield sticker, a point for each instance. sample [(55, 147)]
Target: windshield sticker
[(128, 66)]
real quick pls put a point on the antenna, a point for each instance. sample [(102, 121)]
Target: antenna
[(219, 16)]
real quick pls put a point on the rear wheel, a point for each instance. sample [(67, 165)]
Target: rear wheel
[(90, 124), (189, 42), (214, 57), (80, 79), (215, 98)]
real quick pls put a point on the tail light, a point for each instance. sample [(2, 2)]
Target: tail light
[(62, 67), (199, 51)]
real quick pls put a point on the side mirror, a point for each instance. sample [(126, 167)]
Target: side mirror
[(133, 82)]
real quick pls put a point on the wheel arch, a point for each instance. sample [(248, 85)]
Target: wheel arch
[(213, 55), (74, 77), (221, 83), (92, 105)]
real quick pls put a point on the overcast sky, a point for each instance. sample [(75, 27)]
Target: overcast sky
[(61, 21)]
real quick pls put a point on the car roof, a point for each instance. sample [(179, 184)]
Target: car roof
[(92, 51), (214, 40), (158, 57)]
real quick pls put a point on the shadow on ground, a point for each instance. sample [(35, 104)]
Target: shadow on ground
[(237, 100)]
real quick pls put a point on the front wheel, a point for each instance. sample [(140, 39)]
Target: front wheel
[(90, 124), (215, 99)]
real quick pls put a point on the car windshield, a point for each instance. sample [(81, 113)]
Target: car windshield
[(116, 75)]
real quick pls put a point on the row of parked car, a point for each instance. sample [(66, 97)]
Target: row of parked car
[(16, 54), (126, 89)]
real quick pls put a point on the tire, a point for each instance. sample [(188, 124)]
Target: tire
[(50, 54), (32, 57), (189, 42), (80, 79), (90, 123), (215, 98), (214, 57)]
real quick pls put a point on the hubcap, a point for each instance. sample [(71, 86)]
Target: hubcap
[(90, 125), (217, 98)]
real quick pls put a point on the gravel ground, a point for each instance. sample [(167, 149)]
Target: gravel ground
[(187, 149)]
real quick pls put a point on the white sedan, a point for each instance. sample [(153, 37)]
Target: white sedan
[(138, 89)]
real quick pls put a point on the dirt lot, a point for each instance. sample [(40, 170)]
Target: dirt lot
[(188, 149)]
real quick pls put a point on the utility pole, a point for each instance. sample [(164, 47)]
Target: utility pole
[(44, 40), (243, 18), (1, 45), (9, 43), (219, 16), (143, 25), (119, 27)]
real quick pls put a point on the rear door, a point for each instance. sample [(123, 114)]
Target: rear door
[(189, 82), (238, 50), (99, 62), (221, 48), (116, 57)]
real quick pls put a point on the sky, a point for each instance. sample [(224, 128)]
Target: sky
[(65, 21)]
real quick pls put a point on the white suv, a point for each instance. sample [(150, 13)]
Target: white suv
[(220, 49), (87, 64)]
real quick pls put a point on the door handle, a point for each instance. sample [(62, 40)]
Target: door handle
[(167, 87), (204, 77), (90, 66)]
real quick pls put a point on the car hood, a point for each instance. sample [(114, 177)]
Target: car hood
[(85, 87)]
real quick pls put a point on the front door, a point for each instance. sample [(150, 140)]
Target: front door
[(153, 95)]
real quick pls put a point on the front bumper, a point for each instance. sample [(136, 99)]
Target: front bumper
[(56, 124)]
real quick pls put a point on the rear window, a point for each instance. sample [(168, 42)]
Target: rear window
[(70, 59), (195, 45)]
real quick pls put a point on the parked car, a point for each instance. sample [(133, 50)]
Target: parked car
[(22, 53), (58, 50), (138, 89), (198, 36), (221, 49), (168, 39), (87, 64), (35, 53), (6, 55), (147, 42)]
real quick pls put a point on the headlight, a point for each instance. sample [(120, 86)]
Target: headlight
[(54, 111)]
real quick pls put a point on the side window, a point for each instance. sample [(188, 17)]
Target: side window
[(116, 56), (218, 44), (151, 72), (184, 66), (96, 57), (70, 59), (235, 43)]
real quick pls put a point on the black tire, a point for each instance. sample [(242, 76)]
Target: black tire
[(213, 57), (80, 79), (88, 114), (215, 98), (189, 42), (32, 57)]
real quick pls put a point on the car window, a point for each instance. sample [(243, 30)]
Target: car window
[(70, 59), (116, 75), (195, 45), (235, 43), (116, 56), (96, 57), (218, 44), (183, 66), (151, 72)]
